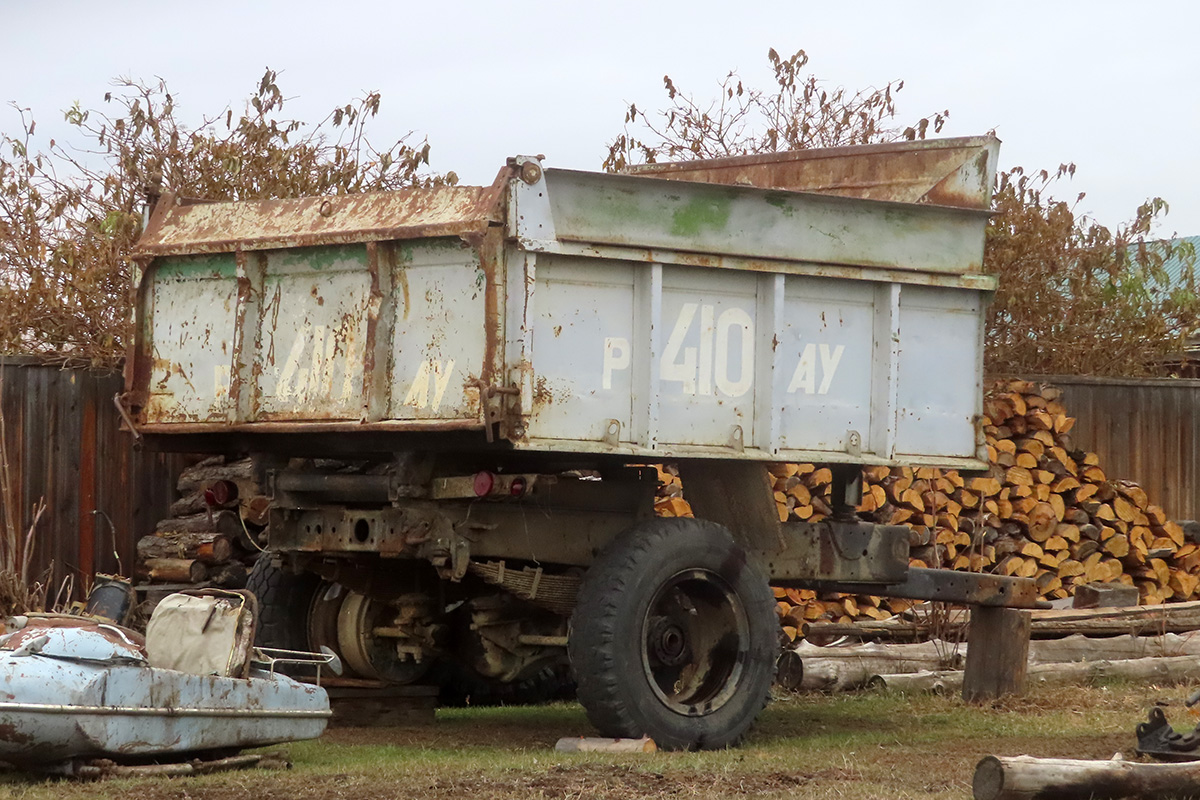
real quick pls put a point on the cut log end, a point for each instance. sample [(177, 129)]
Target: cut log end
[(988, 781)]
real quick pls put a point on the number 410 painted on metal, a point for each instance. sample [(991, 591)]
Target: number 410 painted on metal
[(702, 369)]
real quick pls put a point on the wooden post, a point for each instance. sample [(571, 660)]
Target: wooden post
[(997, 653)]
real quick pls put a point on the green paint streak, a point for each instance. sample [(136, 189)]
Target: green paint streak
[(617, 208), (202, 267), (339, 257), (701, 214), (782, 202)]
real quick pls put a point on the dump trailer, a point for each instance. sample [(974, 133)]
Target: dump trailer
[(457, 395)]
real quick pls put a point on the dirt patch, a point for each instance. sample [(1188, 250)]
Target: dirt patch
[(579, 782)]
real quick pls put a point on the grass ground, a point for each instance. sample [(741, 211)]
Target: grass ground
[(854, 746)]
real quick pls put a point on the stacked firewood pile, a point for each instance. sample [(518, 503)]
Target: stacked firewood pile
[(1045, 510), (212, 536)]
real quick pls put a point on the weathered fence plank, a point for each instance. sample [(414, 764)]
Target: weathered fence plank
[(65, 444)]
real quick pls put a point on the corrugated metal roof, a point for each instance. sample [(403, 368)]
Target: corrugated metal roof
[(1183, 256)]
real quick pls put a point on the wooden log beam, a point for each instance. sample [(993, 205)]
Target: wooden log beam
[(175, 570), (997, 655), (1174, 669), (210, 548), (197, 477), (1147, 620), (1025, 778)]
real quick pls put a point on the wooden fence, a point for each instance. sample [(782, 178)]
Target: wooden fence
[(1144, 430), (65, 445)]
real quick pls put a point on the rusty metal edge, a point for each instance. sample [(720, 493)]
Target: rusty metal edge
[(975, 279), (311, 427), (490, 210), (460, 229), (811, 154)]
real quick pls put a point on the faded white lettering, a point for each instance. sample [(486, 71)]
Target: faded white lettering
[(616, 356)]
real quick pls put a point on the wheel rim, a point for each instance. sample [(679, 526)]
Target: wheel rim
[(323, 616), (366, 653), (695, 635)]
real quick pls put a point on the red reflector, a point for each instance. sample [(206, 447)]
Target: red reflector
[(484, 481), (518, 487)]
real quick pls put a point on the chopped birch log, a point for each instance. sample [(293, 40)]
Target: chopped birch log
[(1025, 778)]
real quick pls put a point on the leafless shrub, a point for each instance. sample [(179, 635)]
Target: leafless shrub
[(799, 112), (69, 215)]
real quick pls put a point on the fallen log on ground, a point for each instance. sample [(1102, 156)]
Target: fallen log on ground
[(1025, 778), (1177, 669), (571, 744), (847, 667), (832, 669)]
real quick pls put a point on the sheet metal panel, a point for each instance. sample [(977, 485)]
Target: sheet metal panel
[(299, 327), (191, 321), (570, 206), (189, 229), (948, 172), (719, 375), (440, 346), (311, 338)]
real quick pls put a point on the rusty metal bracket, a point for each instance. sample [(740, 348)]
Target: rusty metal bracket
[(492, 415), (125, 417)]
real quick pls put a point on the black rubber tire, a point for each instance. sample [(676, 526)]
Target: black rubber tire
[(608, 635), (283, 602)]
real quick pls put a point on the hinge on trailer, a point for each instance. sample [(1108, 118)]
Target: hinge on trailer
[(492, 414), (118, 401)]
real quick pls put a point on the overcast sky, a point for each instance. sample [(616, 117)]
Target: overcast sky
[(1112, 86)]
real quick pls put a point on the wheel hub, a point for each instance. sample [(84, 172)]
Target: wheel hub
[(668, 643), (695, 637)]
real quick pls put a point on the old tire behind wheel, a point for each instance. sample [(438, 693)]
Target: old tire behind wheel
[(284, 599), (674, 636)]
